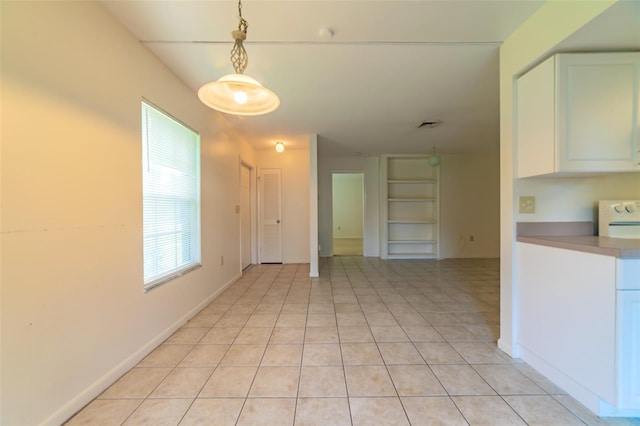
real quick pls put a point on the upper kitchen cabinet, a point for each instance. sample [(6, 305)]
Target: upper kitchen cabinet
[(578, 113)]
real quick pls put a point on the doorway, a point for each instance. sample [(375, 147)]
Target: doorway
[(347, 195)]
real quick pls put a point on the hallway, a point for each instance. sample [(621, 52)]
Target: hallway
[(370, 342)]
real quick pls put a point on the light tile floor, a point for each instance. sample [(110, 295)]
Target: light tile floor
[(347, 246), (370, 342)]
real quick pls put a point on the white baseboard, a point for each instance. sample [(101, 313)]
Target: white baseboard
[(581, 394), (505, 347), (95, 389), (566, 383)]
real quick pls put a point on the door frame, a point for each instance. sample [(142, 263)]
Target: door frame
[(253, 208)]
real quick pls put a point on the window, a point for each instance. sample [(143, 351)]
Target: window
[(171, 197)]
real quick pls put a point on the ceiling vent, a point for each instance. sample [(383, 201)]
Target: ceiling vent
[(430, 124)]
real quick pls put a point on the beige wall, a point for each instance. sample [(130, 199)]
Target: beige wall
[(366, 165), (469, 195), (528, 45), (575, 199), (347, 202), (470, 205), (294, 164), (74, 315)]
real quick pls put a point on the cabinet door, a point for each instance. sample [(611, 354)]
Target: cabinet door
[(597, 112), (535, 121), (629, 348)]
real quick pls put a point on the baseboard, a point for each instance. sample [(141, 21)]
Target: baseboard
[(90, 393), (566, 383), (507, 348), (584, 396)]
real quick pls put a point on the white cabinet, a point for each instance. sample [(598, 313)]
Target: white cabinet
[(578, 113), (628, 335), (410, 211), (579, 324)]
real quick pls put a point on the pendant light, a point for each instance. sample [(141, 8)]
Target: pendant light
[(238, 93), (434, 160)]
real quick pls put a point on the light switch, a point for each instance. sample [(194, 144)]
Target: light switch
[(527, 204)]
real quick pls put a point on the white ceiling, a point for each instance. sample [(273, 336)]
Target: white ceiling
[(389, 66)]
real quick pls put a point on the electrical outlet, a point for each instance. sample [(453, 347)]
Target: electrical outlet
[(221, 260), (527, 204)]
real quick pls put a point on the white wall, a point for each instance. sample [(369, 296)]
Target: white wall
[(295, 167), (74, 315), (366, 165), (470, 205), (575, 199), (348, 200), (530, 43)]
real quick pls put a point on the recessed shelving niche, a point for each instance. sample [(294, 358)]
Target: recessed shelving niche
[(410, 209)]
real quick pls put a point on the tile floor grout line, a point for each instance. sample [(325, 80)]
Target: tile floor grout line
[(344, 368), (395, 388), (227, 351), (460, 293)]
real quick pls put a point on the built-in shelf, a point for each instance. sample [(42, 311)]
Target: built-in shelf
[(411, 181), (413, 221), (410, 215), (412, 241), (412, 200)]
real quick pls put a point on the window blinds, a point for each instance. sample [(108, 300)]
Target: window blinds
[(171, 196)]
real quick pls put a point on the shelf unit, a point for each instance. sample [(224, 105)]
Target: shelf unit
[(410, 209)]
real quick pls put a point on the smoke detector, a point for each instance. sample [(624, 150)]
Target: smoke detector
[(430, 124)]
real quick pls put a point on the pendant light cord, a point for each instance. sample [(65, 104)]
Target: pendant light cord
[(239, 57), (243, 24)]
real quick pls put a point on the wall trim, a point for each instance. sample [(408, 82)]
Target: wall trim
[(92, 391), (508, 348)]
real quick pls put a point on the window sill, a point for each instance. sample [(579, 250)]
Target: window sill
[(172, 276)]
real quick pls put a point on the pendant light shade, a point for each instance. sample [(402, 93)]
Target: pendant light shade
[(434, 159), (237, 93)]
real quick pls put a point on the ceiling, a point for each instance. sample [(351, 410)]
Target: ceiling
[(389, 66)]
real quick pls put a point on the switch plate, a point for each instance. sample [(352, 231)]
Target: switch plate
[(527, 204)]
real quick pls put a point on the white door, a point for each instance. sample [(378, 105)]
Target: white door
[(245, 215), (270, 216)]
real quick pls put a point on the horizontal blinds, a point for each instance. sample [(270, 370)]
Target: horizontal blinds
[(171, 195)]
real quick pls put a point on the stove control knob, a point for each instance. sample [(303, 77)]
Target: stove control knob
[(630, 207), (618, 208)]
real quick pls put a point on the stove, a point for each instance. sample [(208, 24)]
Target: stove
[(619, 218)]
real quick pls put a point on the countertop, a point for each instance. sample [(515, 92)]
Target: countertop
[(623, 248)]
